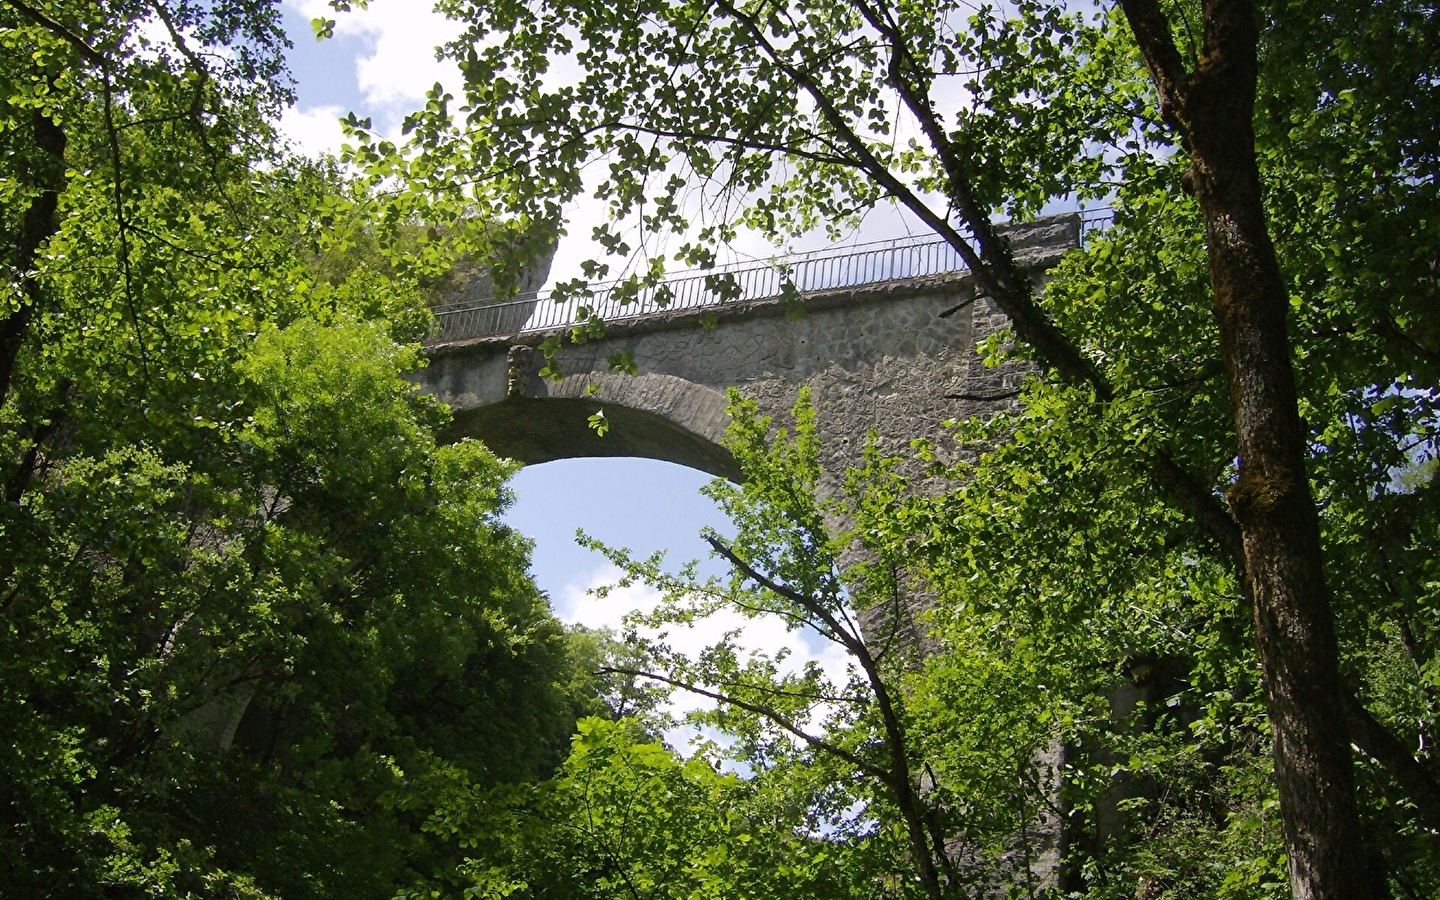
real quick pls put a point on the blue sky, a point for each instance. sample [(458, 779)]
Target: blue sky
[(641, 504), (324, 71)]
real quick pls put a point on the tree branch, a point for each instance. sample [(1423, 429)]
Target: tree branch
[(742, 143), (178, 39), (916, 813), (985, 398), (1377, 742), (1151, 28), (36, 227), (850, 641), (1030, 321), (122, 226), (869, 768)]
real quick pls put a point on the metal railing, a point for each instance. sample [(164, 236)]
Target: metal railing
[(793, 275), (1093, 220)]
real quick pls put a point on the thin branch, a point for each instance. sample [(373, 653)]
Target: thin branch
[(179, 40), (742, 143), (1030, 321), (780, 692), (1416, 779), (121, 226), (1391, 329), (896, 611), (985, 398), (846, 639), (774, 716), (912, 807), (957, 308), (1151, 28)]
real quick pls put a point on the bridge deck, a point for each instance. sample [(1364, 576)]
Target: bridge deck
[(793, 275)]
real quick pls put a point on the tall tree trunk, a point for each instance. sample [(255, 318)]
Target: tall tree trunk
[(1213, 110), (38, 224)]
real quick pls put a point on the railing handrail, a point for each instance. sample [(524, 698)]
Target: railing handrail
[(810, 271), (730, 268)]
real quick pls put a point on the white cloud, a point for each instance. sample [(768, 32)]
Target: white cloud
[(575, 606), (399, 65), (767, 635), (313, 131)]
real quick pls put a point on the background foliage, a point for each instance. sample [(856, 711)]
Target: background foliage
[(249, 597)]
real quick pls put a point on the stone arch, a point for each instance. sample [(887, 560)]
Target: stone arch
[(895, 357), (652, 415)]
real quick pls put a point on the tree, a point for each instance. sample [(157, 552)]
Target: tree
[(820, 799), (629, 819), (810, 113), (1134, 680), (247, 597), (237, 623), (844, 749), (85, 82)]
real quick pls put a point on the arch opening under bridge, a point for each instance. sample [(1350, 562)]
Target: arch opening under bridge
[(539, 430)]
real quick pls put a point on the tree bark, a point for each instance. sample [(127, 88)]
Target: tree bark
[(998, 276), (38, 224), (1212, 109)]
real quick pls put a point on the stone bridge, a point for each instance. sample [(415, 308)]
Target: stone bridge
[(885, 338)]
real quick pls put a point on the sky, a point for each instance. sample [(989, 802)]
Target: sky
[(380, 63)]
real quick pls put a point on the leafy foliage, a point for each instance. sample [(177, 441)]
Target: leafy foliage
[(263, 634), (247, 597), (626, 818)]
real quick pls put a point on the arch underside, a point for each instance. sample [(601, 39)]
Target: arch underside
[(542, 429)]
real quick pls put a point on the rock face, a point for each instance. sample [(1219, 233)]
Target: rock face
[(472, 288), (897, 359)]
